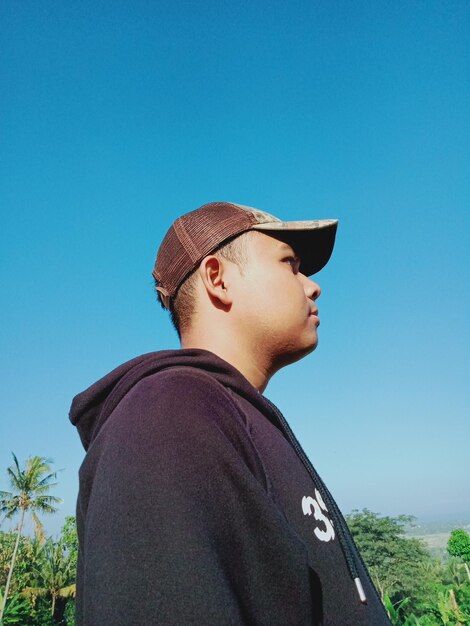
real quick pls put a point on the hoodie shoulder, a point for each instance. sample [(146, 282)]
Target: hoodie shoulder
[(167, 370), (184, 391), (182, 415)]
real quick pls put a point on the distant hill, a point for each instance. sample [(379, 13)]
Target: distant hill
[(436, 534)]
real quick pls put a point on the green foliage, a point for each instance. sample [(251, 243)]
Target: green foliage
[(69, 613), (29, 494), (16, 610), (69, 540), (44, 569), (394, 561), (459, 544), (446, 609), (55, 575), (416, 589), (7, 544), (394, 611)]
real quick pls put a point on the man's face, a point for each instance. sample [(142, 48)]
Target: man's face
[(274, 303)]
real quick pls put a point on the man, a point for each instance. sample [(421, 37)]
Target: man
[(197, 505)]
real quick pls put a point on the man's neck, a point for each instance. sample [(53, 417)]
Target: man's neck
[(241, 358)]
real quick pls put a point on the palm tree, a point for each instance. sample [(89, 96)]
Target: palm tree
[(55, 575), (29, 493)]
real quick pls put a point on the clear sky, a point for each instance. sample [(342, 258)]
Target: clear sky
[(116, 117)]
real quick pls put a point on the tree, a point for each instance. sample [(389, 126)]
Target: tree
[(69, 540), (27, 558), (29, 493), (55, 575), (7, 545), (459, 544), (395, 562), (446, 609)]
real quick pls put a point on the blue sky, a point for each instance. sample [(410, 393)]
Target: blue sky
[(117, 117)]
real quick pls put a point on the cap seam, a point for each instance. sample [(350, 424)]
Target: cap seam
[(185, 240)]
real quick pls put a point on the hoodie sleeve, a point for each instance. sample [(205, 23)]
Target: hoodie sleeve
[(176, 523)]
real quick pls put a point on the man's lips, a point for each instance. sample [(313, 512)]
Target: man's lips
[(314, 313)]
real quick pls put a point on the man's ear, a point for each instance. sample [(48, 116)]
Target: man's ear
[(211, 271)]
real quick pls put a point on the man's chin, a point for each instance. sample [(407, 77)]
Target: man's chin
[(309, 349), (293, 356)]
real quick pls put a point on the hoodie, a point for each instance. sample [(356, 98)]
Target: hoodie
[(197, 505)]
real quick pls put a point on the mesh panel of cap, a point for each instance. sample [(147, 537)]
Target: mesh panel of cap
[(195, 235)]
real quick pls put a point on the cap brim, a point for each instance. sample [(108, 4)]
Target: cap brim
[(311, 240)]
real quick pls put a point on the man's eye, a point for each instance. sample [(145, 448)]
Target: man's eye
[(294, 262)]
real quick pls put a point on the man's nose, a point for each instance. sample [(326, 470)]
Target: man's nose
[(311, 288)]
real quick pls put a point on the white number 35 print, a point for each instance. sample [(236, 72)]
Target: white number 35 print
[(317, 506)]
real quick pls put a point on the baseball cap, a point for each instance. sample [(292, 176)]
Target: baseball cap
[(198, 233)]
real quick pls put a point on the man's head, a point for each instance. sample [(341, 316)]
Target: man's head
[(229, 269)]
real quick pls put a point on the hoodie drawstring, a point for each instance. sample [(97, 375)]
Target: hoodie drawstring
[(338, 519)]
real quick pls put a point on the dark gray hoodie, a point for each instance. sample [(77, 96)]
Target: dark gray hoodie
[(198, 506)]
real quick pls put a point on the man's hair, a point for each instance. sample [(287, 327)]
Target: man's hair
[(183, 304)]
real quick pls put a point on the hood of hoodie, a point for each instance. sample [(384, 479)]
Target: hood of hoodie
[(91, 408)]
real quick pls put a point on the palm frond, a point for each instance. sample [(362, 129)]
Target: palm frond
[(45, 504), (16, 464), (68, 592), (45, 481), (16, 480), (31, 592), (38, 528), (39, 539), (10, 507), (44, 488)]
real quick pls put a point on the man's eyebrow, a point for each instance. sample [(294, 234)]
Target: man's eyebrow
[(285, 247)]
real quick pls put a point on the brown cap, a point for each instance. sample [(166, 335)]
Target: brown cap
[(198, 233)]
